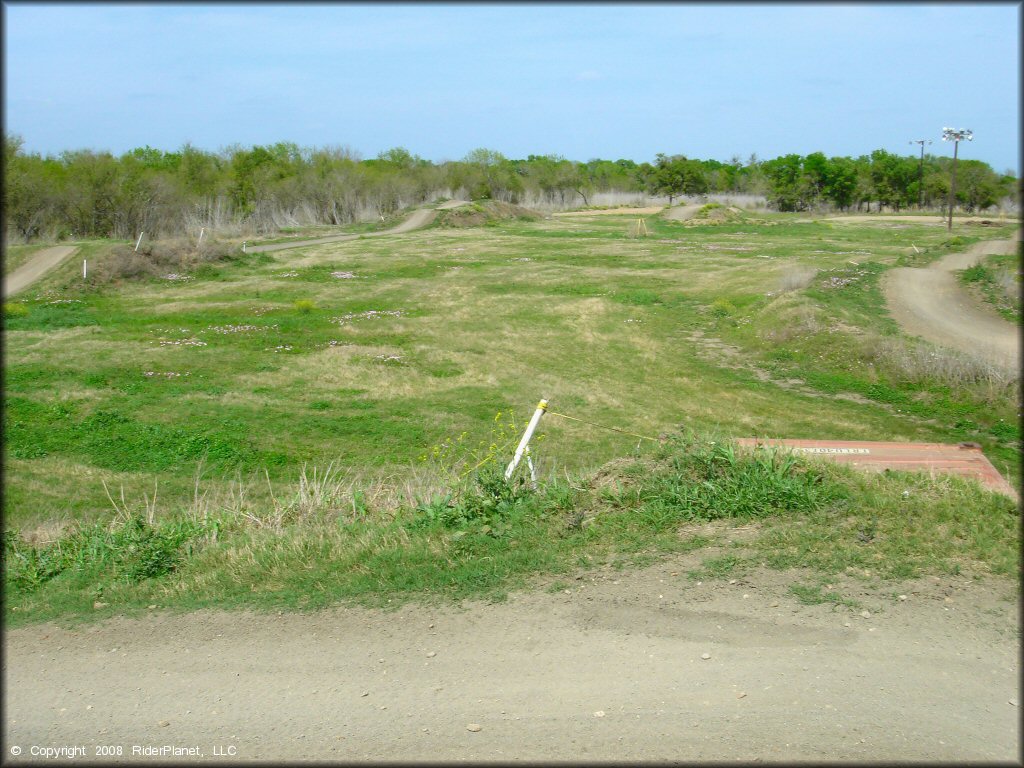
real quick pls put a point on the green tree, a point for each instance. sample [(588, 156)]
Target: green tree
[(675, 176)]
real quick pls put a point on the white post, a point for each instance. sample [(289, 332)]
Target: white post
[(85, 270), (541, 407), (139, 240), (243, 245), (533, 472), (201, 231)]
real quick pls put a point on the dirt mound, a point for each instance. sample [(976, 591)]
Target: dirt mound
[(716, 213), (482, 212)]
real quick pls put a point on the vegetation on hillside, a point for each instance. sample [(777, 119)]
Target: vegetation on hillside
[(193, 425), (323, 541), (261, 189)]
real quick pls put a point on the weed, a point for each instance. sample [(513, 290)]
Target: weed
[(813, 595), (717, 568), (796, 279), (722, 308)]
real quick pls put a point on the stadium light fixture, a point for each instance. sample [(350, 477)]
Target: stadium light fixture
[(956, 136)]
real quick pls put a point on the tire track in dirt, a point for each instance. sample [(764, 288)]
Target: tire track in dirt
[(419, 219), (639, 666), (931, 303), (33, 269)]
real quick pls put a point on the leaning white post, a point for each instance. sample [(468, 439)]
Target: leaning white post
[(200, 242), (139, 240), (541, 407)]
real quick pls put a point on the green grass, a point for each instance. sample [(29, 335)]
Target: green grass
[(987, 278), (326, 541), (252, 374)]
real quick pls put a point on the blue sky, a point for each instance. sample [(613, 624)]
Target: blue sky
[(577, 80)]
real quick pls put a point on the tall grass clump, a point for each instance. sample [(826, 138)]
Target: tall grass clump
[(128, 551), (796, 279), (330, 538), (918, 363), (700, 479)]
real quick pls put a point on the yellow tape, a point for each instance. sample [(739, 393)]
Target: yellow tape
[(602, 426)]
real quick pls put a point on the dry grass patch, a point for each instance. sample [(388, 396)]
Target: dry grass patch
[(796, 278)]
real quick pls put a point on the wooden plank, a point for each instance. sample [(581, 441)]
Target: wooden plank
[(965, 459)]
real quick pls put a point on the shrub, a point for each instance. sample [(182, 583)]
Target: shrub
[(130, 552), (304, 306), (15, 309), (722, 308), (158, 259)]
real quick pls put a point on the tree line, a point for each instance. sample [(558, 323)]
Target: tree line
[(85, 193)]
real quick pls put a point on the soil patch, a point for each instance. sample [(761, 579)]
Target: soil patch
[(602, 665), (42, 262)]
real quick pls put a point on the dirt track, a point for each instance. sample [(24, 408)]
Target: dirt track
[(931, 303), (418, 219), (612, 669), (35, 268)]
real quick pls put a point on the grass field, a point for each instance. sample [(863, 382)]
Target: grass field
[(391, 365)]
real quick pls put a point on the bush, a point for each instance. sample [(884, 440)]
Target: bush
[(304, 306), (722, 308), (15, 309), (130, 552), (159, 258)]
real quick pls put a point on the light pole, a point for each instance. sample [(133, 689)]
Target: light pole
[(956, 136), (920, 173)]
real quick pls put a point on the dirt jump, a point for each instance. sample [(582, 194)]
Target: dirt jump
[(625, 666), (417, 220), (931, 303), (35, 268)]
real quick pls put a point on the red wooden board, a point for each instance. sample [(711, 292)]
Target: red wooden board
[(964, 459)]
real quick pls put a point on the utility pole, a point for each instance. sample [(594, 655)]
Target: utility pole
[(920, 172), (956, 136)]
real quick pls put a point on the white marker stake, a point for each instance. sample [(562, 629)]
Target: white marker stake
[(915, 248), (533, 472), (201, 231), (243, 247), (541, 407), (139, 240), (85, 270)]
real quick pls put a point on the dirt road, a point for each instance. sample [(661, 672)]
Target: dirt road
[(682, 212), (35, 268), (626, 666), (931, 303), (418, 219)]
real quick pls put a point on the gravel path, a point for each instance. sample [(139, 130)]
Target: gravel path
[(626, 666), (931, 303), (35, 268)]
